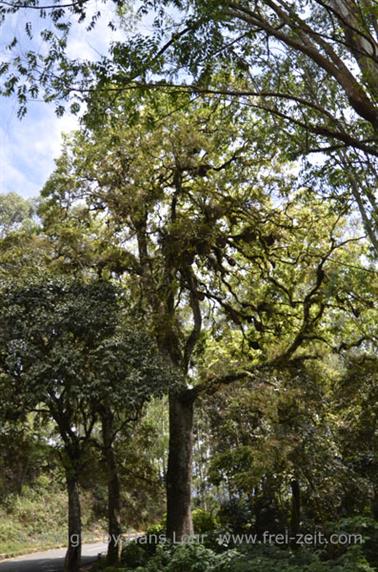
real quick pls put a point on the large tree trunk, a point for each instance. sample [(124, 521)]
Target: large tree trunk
[(179, 474), (73, 554), (360, 39), (114, 491)]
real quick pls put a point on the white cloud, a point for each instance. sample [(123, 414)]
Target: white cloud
[(29, 147), (91, 45)]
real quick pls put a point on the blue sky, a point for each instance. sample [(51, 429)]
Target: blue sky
[(28, 147)]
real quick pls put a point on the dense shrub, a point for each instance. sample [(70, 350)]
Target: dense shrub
[(204, 521), (134, 554), (237, 515), (197, 558), (362, 525)]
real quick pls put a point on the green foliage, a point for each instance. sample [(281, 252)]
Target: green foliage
[(229, 267), (15, 213), (26, 525), (154, 535), (366, 528), (134, 555), (236, 514), (57, 338), (207, 240), (68, 353), (297, 426), (203, 521), (185, 558), (156, 529), (225, 259), (196, 558)]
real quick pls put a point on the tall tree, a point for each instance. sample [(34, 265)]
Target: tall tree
[(49, 334), (59, 353), (211, 235), (129, 372)]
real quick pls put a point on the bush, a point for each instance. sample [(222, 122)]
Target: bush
[(366, 527), (155, 529), (259, 558), (134, 555), (191, 558), (236, 515), (204, 521), (180, 558), (147, 543)]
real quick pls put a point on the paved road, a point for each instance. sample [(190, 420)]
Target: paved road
[(50, 561)]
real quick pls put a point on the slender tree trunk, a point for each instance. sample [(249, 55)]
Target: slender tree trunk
[(73, 554), (295, 509), (114, 491), (179, 473), (374, 506)]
